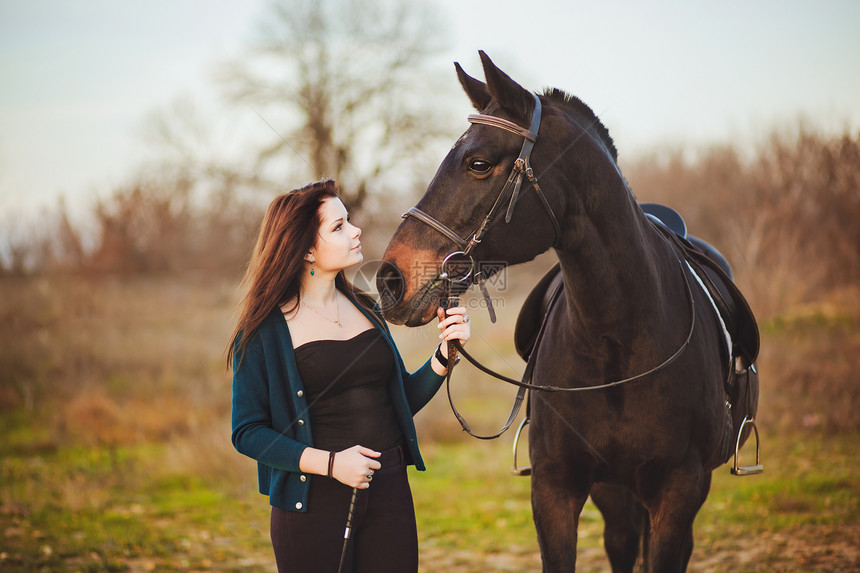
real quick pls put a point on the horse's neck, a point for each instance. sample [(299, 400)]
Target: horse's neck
[(612, 275)]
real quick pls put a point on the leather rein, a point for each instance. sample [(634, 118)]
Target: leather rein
[(521, 168)]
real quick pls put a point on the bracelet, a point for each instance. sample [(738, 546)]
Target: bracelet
[(441, 357), (330, 463)]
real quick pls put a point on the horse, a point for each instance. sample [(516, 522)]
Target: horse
[(659, 390)]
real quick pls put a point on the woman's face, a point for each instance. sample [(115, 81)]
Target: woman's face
[(337, 245)]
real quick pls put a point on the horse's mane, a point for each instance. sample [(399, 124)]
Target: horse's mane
[(579, 107)]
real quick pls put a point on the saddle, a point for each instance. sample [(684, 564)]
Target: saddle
[(706, 261)]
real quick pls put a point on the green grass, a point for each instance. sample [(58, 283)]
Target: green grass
[(90, 509), (96, 509)]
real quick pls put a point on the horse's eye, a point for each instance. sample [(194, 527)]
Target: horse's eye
[(480, 166)]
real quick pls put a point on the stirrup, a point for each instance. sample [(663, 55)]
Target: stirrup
[(518, 471), (747, 470)]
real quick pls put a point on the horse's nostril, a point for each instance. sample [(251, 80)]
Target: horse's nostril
[(390, 285)]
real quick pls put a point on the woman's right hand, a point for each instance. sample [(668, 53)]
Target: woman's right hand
[(355, 466)]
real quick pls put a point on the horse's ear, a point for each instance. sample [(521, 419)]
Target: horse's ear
[(512, 97), (475, 89)]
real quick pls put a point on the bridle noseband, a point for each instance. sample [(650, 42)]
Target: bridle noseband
[(522, 167)]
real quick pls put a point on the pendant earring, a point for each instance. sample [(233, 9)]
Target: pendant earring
[(312, 269)]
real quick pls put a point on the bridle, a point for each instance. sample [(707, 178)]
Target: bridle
[(522, 167)]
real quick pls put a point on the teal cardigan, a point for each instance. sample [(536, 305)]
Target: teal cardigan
[(270, 414)]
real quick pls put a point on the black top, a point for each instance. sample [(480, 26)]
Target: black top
[(344, 383)]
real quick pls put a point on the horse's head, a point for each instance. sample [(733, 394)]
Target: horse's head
[(484, 201)]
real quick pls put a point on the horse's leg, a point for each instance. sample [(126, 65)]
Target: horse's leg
[(556, 505), (624, 519), (687, 544), (676, 499), (706, 488)]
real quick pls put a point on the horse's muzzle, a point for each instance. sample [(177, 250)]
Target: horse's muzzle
[(391, 287)]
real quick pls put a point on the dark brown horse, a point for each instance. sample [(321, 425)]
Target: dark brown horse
[(631, 308)]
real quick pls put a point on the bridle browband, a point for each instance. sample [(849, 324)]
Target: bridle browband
[(522, 167)]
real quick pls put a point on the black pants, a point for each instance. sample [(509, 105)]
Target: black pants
[(384, 536)]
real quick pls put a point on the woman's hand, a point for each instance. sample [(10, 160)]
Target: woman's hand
[(455, 325), (355, 466)]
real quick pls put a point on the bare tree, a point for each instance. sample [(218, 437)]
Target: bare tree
[(346, 85)]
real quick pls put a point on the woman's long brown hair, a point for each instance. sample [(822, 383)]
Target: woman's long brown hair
[(273, 278)]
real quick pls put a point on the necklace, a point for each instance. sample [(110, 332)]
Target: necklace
[(337, 321)]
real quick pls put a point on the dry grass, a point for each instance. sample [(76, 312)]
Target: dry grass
[(809, 365), (112, 361), (118, 362)]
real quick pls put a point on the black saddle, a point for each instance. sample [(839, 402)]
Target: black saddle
[(708, 263), (672, 220), (666, 216)]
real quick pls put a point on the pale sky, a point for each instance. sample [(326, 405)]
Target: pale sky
[(78, 78)]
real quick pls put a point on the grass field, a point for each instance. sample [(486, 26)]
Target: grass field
[(96, 509)]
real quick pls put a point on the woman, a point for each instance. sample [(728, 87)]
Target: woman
[(321, 398)]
